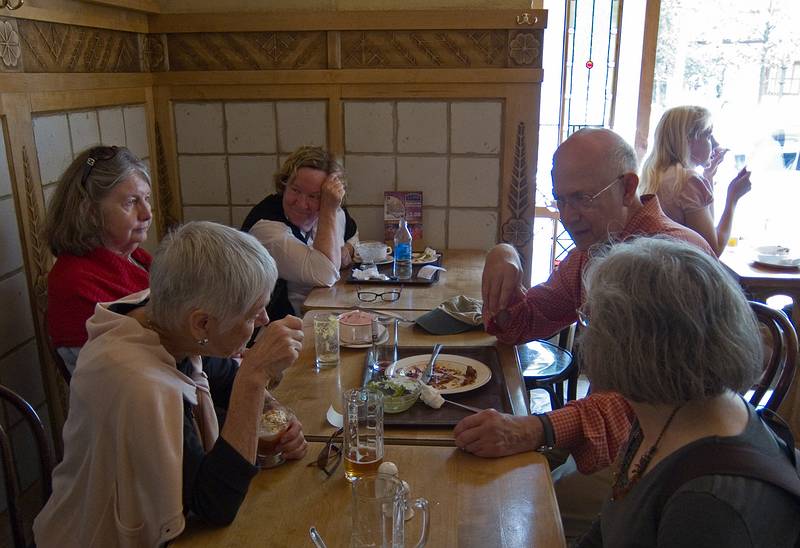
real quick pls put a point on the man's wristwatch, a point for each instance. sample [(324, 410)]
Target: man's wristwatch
[(549, 434)]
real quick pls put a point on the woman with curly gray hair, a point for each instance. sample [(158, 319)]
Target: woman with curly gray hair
[(304, 227), (668, 329), (142, 443)]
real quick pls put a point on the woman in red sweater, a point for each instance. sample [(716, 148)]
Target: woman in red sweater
[(98, 217)]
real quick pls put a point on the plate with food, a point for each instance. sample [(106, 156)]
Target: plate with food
[(777, 256), (426, 257), (451, 374)]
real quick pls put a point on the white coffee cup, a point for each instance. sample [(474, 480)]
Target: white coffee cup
[(372, 252)]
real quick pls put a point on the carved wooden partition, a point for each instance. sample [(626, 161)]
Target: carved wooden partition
[(348, 56), (69, 62)]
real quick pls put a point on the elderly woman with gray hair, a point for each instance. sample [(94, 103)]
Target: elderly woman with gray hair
[(96, 221), (670, 330), (142, 446)]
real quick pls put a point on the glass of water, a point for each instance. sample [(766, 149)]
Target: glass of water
[(326, 340)]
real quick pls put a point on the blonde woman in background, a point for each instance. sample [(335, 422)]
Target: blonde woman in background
[(683, 141)]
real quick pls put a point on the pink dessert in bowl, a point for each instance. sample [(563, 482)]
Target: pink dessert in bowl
[(355, 327)]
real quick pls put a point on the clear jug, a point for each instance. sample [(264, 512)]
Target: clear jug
[(379, 503)]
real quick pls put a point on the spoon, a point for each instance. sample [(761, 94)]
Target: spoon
[(316, 538)]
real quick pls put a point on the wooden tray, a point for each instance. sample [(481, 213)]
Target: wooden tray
[(387, 269), (493, 394)]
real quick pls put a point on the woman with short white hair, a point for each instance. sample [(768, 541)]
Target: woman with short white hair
[(142, 445), (669, 329)]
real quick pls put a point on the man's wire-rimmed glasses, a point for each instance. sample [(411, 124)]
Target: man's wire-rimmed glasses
[(389, 296), (582, 201), (331, 455), (583, 316)]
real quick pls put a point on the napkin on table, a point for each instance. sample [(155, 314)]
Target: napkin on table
[(370, 273)]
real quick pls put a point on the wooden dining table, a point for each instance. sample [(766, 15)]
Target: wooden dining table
[(506, 502), (473, 501), (310, 392), (463, 277), (761, 281)]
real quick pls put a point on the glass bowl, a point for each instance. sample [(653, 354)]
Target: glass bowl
[(399, 393)]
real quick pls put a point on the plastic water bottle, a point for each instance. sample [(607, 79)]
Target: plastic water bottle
[(402, 251)]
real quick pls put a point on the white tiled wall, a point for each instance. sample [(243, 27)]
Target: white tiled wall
[(62, 136), (450, 150), (228, 152)]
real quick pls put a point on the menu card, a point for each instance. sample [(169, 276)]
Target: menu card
[(408, 204)]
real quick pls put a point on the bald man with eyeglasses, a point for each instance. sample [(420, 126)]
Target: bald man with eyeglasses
[(595, 189)]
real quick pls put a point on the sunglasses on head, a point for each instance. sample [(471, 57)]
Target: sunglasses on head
[(97, 154)]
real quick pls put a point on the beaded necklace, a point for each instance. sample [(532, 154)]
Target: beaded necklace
[(622, 483)]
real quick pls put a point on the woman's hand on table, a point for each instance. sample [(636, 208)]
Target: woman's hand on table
[(293, 443), (276, 348), (493, 434)]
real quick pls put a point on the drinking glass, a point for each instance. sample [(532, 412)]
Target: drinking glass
[(383, 353), (363, 432), (275, 420), (326, 340)]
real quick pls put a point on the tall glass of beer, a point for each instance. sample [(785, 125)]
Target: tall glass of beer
[(363, 432)]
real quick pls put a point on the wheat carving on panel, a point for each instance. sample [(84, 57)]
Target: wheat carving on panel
[(53, 47), (39, 253), (517, 230), (424, 49), (247, 50), (164, 219)]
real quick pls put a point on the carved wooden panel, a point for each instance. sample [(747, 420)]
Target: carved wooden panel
[(53, 47), (424, 49), (247, 50), (153, 49), (40, 255), (10, 49), (525, 48), (518, 229)]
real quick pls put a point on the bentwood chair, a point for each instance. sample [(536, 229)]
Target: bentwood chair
[(780, 362), (10, 467)]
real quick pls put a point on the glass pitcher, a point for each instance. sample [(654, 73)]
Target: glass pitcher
[(379, 503)]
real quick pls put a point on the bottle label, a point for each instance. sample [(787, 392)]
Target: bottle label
[(402, 251)]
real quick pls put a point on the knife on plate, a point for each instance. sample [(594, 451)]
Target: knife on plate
[(428, 373)]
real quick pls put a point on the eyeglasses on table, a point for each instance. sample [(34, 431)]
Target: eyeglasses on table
[(389, 296), (331, 454)]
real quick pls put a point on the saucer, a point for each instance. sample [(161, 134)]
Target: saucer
[(387, 260)]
